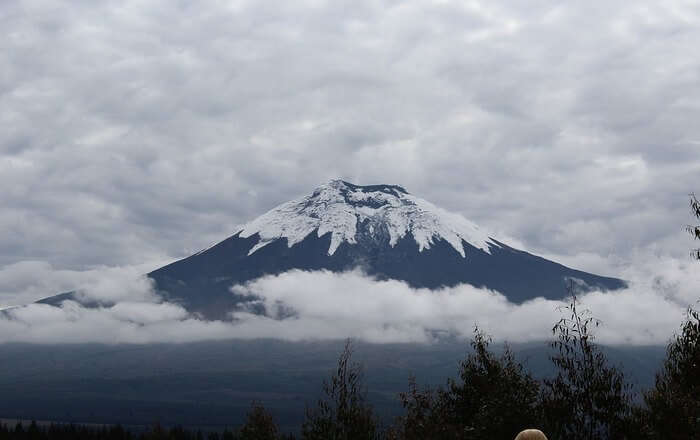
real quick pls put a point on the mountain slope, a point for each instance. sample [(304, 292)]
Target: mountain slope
[(382, 229)]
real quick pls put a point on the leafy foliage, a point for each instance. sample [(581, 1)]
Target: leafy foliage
[(494, 398), (78, 432), (694, 230), (427, 415), (344, 413), (674, 402), (157, 432), (259, 425), (587, 399)]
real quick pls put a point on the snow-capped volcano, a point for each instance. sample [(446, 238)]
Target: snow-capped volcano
[(382, 229), (379, 211)]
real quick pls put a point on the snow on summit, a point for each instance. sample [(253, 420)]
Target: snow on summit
[(346, 211)]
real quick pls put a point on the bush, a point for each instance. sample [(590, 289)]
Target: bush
[(673, 405), (494, 398), (344, 413), (259, 425), (427, 415), (587, 399)]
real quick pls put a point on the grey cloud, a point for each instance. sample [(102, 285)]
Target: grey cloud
[(350, 304), (28, 281), (329, 306), (145, 131)]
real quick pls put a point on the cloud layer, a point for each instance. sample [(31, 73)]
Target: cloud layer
[(324, 305), (137, 130), (350, 304), (29, 281)]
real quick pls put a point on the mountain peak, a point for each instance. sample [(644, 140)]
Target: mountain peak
[(348, 211), (341, 226), (345, 185)]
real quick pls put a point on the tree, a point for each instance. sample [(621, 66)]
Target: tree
[(587, 399), (259, 424), (673, 404), (344, 413), (495, 397), (694, 230), (427, 415), (674, 401)]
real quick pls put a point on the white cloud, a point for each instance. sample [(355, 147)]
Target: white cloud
[(29, 281), (327, 305), (72, 323), (143, 131), (351, 304), (147, 130)]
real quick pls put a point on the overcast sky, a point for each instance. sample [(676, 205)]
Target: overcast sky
[(136, 132)]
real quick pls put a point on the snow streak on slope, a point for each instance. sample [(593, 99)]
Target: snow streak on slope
[(346, 210)]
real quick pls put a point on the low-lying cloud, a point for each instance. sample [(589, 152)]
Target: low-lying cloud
[(318, 305), (29, 281), (151, 129), (352, 304), (121, 126)]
